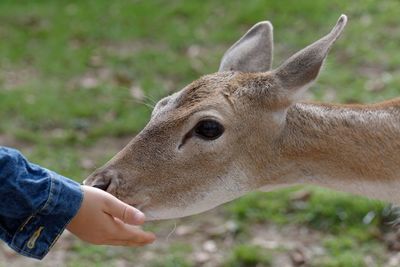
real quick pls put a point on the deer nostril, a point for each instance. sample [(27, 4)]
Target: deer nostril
[(102, 185), (104, 179), (164, 101)]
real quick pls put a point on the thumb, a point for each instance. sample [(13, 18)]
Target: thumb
[(123, 211)]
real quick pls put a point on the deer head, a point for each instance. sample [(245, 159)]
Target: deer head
[(219, 137)]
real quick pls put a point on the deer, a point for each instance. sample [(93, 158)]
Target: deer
[(245, 128)]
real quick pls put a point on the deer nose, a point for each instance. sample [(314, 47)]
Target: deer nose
[(103, 185), (106, 179)]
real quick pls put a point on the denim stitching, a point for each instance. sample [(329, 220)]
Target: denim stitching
[(51, 193), (26, 253), (67, 222), (26, 222), (61, 230), (32, 216), (39, 215)]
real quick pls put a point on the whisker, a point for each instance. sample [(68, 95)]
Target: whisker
[(151, 99), (144, 203), (169, 235), (141, 102)]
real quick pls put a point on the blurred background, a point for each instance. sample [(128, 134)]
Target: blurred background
[(78, 79)]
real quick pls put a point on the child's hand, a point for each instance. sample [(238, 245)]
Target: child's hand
[(105, 220)]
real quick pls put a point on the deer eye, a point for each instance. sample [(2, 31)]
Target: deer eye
[(208, 129)]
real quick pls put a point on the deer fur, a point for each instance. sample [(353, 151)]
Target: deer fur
[(270, 139)]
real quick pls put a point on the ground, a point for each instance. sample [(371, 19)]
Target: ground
[(78, 80)]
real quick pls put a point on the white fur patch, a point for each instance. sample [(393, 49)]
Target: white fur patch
[(224, 189)]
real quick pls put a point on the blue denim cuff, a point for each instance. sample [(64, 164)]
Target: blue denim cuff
[(41, 230)]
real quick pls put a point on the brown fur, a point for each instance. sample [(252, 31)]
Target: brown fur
[(352, 138)]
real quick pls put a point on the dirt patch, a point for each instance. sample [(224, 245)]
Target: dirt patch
[(9, 141), (12, 78), (127, 49)]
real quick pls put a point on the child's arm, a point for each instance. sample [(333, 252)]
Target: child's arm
[(37, 205)]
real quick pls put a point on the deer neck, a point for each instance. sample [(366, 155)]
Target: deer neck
[(353, 148)]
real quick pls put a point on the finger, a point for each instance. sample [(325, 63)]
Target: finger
[(134, 234), (123, 211), (125, 243)]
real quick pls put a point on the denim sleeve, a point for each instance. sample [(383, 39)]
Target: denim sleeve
[(36, 204)]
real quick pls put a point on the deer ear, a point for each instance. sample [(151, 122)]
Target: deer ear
[(298, 72), (252, 53)]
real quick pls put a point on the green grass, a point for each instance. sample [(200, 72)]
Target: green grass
[(345, 259), (324, 210), (352, 224), (344, 251), (50, 49), (175, 258), (247, 256), (52, 46), (87, 254)]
